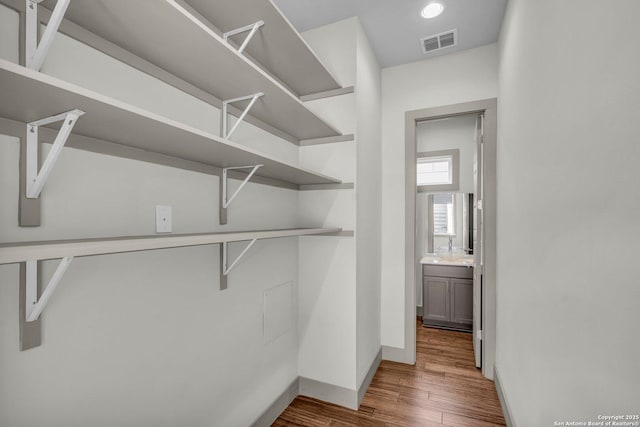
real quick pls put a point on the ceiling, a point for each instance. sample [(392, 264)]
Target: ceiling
[(395, 27)]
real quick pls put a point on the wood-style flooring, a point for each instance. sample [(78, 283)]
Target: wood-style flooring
[(443, 389)]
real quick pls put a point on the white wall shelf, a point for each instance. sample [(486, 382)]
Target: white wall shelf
[(30, 253), (11, 253), (28, 96), (166, 34), (330, 140), (172, 37), (276, 46)]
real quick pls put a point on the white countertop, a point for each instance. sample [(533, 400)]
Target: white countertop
[(433, 259)]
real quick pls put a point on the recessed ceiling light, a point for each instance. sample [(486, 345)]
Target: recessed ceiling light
[(432, 10)]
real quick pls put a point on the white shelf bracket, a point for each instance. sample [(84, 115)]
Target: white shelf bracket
[(225, 268), (37, 52), (226, 201), (252, 28), (34, 306), (225, 115), (37, 179)]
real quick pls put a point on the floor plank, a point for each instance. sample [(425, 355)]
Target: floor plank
[(443, 388)]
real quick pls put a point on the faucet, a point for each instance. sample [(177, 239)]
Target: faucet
[(450, 243)]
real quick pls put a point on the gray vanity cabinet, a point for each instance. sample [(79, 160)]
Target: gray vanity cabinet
[(447, 296), (461, 301), (436, 305)]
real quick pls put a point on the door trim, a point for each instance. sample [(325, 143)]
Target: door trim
[(489, 108)]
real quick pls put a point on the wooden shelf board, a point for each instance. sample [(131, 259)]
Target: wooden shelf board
[(158, 33), (20, 252), (28, 95), (277, 46)]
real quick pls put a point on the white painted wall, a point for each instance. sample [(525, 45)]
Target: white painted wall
[(368, 205), (335, 45), (449, 134), (9, 34), (144, 339), (435, 135), (451, 79), (340, 307), (327, 265), (568, 203)]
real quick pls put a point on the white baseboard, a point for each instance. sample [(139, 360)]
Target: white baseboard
[(328, 393), (278, 406), (319, 390), (397, 354), (504, 403), (362, 390)]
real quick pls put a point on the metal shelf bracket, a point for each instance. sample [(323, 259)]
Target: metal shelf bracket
[(34, 306), (224, 267), (37, 52), (37, 179), (252, 28), (225, 115), (225, 200)]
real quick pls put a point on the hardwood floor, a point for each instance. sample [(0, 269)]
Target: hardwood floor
[(443, 389)]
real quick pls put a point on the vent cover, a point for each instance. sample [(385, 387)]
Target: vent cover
[(439, 41)]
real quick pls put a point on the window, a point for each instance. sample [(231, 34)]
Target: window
[(435, 170), (438, 171), (443, 215)]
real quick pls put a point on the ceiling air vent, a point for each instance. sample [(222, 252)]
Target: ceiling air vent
[(439, 41)]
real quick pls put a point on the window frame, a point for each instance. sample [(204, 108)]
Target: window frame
[(455, 171)]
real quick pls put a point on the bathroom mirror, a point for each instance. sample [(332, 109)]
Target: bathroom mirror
[(450, 218)]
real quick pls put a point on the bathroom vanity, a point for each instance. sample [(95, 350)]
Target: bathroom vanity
[(447, 292)]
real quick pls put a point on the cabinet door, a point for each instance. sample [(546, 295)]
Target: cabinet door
[(436, 301), (462, 301)]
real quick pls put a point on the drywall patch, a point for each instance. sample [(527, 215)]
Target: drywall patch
[(278, 311)]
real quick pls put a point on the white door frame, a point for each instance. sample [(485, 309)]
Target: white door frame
[(489, 108)]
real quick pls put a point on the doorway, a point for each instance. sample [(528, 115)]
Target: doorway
[(484, 202)]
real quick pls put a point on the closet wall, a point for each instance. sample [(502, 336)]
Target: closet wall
[(567, 284), (148, 338), (340, 308), (145, 339)]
